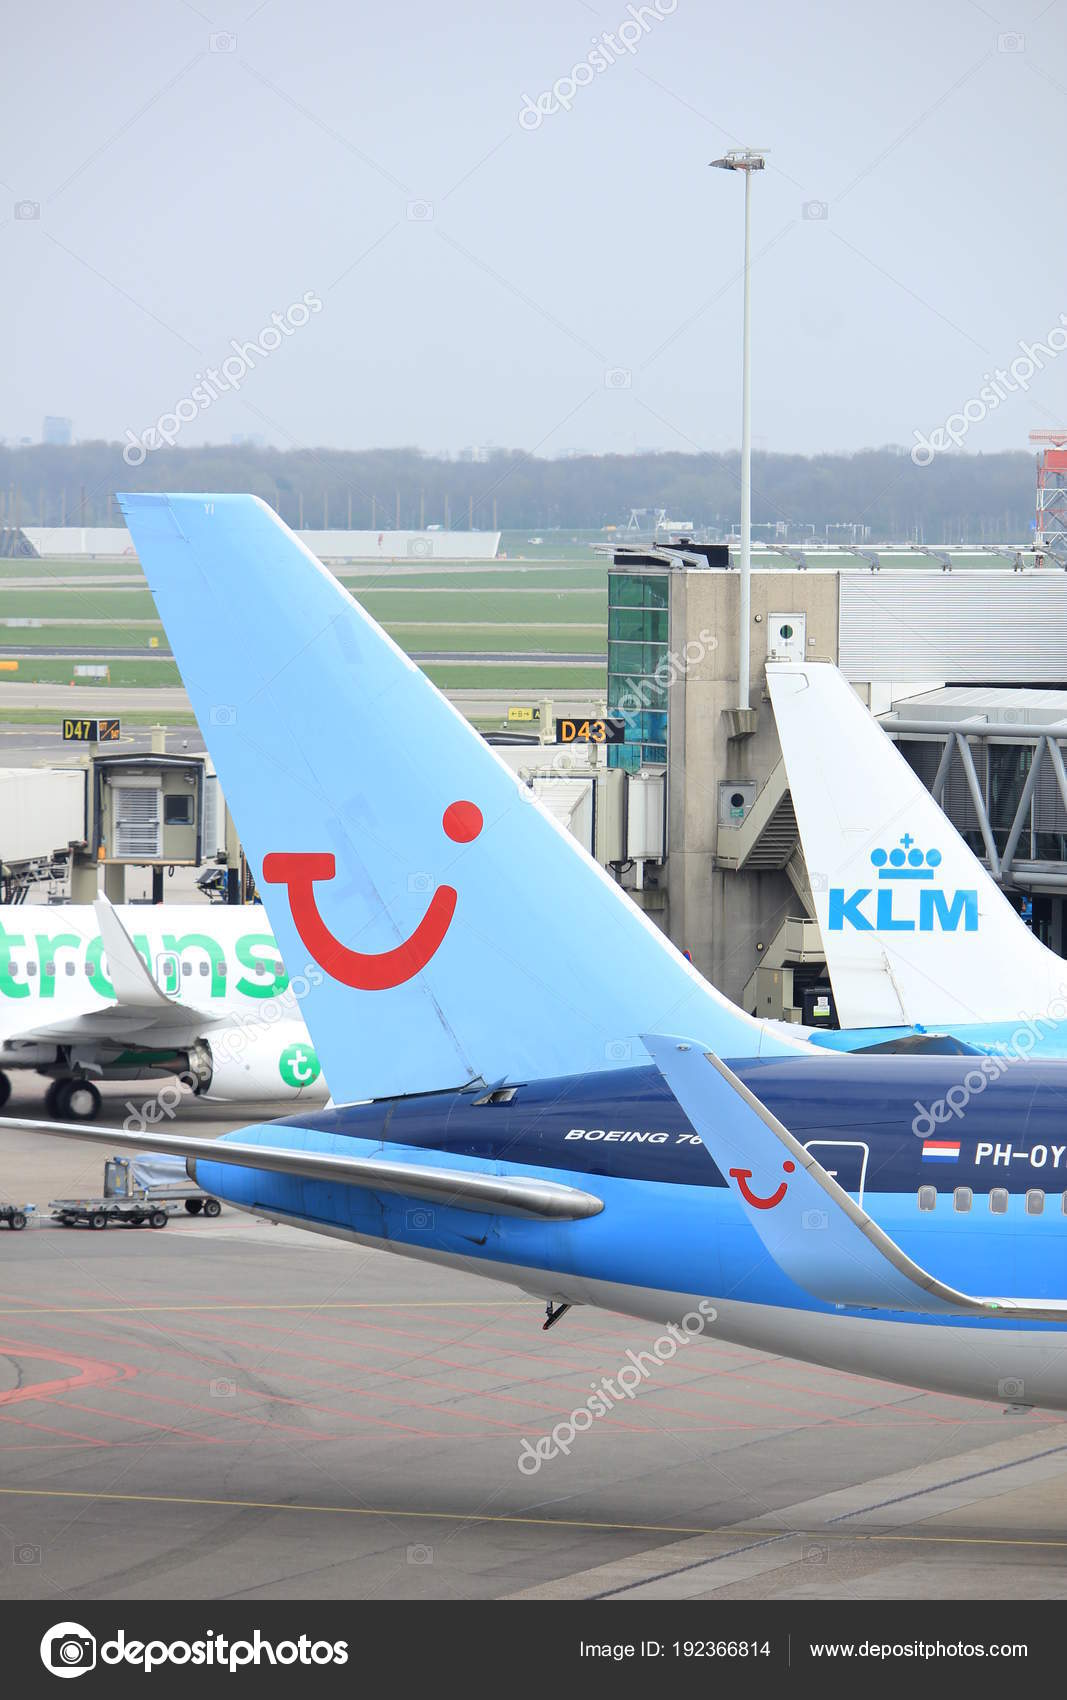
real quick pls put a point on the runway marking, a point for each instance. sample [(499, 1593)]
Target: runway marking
[(474, 1517)]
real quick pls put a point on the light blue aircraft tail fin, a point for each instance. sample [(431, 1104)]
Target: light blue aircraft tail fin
[(451, 929)]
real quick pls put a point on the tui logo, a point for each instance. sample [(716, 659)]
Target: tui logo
[(905, 900), (743, 1176), (301, 870)]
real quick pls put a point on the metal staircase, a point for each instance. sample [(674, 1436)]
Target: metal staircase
[(768, 835)]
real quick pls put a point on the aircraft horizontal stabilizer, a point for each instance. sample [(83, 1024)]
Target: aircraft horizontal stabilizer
[(464, 1189), (817, 1234)]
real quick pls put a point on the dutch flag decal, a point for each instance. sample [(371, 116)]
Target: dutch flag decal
[(941, 1150)]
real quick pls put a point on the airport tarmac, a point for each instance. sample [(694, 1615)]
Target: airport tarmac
[(233, 1410)]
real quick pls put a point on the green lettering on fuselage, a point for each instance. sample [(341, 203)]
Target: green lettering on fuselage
[(211, 947), (46, 957), (98, 979), (252, 951), (266, 986), (10, 987)]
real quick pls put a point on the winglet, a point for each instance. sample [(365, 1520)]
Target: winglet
[(134, 985), (815, 1232)]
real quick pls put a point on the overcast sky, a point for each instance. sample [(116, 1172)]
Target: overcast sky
[(495, 268)]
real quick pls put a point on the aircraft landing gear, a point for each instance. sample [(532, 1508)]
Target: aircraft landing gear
[(5, 1089), (73, 1100)]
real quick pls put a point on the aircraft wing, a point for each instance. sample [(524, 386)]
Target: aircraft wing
[(465, 1189), (141, 1010), (815, 1231)]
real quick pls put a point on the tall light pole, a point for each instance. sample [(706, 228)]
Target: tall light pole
[(747, 160)]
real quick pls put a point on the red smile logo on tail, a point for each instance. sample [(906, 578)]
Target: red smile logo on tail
[(373, 971), (743, 1176)]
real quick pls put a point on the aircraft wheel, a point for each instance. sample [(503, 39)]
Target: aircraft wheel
[(5, 1090), (194, 1205), (212, 1207), (75, 1100)]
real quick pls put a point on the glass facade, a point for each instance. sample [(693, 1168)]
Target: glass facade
[(638, 670)]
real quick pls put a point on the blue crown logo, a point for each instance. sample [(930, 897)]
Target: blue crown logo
[(905, 862)]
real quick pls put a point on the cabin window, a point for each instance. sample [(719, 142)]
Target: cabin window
[(204, 968), (1035, 1201), (927, 1197), (962, 1199), (90, 969), (13, 970), (998, 1201), (31, 970), (68, 967)]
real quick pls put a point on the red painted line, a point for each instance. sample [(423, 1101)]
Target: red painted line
[(142, 1422), (44, 1428), (375, 1369), (91, 1372), (289, 1428)]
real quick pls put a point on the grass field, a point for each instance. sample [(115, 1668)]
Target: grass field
[(559, 608), (553, 680), (109, 636), (95, 602), (21, 567)]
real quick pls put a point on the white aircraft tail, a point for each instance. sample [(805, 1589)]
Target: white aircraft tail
[(916, 931)]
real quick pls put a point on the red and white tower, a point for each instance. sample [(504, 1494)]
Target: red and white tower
[(1050, 526)]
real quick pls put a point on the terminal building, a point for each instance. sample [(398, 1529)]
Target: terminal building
[(965, 665)]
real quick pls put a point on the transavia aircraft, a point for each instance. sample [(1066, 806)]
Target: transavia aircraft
[(547, 1100), (95, 993), (919, 938)]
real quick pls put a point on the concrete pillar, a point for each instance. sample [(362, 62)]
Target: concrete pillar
[(84, 879), (115, 882)]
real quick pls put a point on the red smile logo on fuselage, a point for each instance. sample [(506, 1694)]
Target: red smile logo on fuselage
[(743, 1176), (367, 971)]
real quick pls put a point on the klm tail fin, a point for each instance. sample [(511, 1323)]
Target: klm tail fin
[(453, 931), (915, 930)]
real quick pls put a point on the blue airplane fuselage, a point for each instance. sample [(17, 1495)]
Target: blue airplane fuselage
[(967, 1171)]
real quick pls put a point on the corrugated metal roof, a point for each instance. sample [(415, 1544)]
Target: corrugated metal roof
[(995, 627)]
